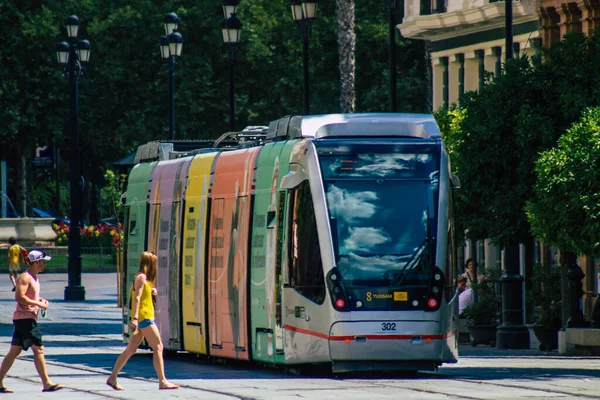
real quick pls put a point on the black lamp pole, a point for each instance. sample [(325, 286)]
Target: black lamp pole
[(306, 100), (391, 5), (231, 27), (170, 48), (508, 20), (73, 57), (512, 334), (305, 13), (172, 96), (231, 63)]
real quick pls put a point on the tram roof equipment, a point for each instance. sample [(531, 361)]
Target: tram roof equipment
[(354, 125)]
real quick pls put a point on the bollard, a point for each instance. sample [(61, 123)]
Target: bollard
[(575, 275)]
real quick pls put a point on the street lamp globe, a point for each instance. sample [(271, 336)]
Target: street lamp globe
[(164, 47), (62, 53), (309, 9), (230, 7), (84, 48), (72, 25), (231, 29), (175, 44), (297, 12), (171, 21)]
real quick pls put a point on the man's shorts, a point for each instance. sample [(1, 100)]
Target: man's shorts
[(27, 333), (14, 268)]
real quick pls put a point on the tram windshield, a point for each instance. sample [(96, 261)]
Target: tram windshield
[(382, 202)]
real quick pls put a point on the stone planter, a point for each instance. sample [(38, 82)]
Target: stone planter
[(483, 334), (548, 337)]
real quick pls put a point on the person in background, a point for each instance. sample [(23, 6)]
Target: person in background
[(142, 323), (27, 333), (470, 273), (465, 296), (16, 257)]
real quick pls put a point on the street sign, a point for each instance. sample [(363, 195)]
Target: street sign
[(43, 157)]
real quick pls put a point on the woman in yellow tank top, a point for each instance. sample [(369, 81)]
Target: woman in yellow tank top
[(142, 323)]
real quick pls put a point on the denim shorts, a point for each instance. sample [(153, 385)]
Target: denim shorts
[(145, 323)]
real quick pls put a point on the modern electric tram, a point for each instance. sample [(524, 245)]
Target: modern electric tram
[(329, 241)]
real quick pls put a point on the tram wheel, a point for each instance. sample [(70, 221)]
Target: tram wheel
[(492, 343), (542, 347), (474, 343)]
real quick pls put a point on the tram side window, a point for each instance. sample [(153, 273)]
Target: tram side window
[(306, 267), (451, 257)]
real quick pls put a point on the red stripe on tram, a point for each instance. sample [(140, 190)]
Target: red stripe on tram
[(369, 337)]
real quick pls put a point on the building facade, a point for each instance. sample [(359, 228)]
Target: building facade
[(467, 40), (467, 44)]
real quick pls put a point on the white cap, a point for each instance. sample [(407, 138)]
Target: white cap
[(37, 255)]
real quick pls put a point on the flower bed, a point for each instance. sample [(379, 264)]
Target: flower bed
[(100, 235)]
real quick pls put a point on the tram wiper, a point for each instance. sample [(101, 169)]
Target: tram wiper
[(412, 262)]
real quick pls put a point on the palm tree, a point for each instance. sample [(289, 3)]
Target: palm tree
[(346, 44)]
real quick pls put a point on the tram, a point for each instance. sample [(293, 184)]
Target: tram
[(332, 241)]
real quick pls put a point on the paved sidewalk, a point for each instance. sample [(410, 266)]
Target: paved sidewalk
[(83, 340)]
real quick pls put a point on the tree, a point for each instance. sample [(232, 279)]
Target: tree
[(346, 49), (510, 121), (565, 208), (124, 94)]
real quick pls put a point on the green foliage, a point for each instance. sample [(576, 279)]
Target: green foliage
[(499, 138), (124, 94), (114, 186), (546, 296), (507, 124), (488, 303), (449, 121), (565, 208)]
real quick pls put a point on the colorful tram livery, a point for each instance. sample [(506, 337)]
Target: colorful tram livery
[(329, 242)]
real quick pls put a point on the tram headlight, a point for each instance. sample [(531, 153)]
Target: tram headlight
[(333, 277), (358, 304), (437, 277), (336, 289), (435, 290)]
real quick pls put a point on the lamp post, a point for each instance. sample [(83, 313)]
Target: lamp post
[(512, 334), (170, 48), (391, 6), (231, 27), (73, 57), (508, 22), (305, 13)]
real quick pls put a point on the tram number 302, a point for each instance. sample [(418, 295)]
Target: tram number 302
[(388, 326)]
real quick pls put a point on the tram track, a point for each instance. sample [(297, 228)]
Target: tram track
[(463, 395)]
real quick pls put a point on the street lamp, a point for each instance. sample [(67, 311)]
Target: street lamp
[(74, 57), (391, 5), (304, 13), (170, 48), (231, 27), (508, 28)]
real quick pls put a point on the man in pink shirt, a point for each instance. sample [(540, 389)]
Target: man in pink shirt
[(27, 333)]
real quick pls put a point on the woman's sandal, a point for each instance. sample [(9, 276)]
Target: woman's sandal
[(115, 385), (5, 390), (169, 386)]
